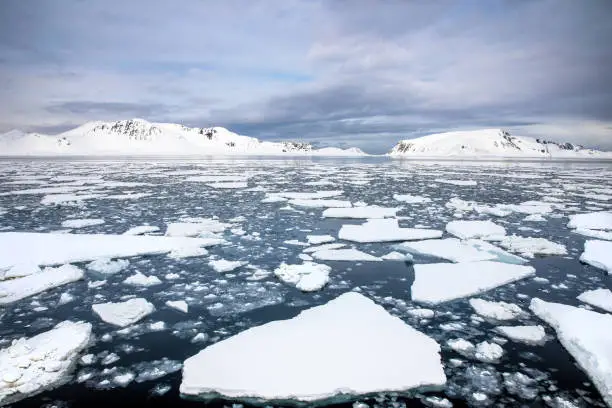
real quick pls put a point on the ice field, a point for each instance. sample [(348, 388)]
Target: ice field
[(363, 282)]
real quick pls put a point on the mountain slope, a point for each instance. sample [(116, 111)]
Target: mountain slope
[(139, 137), (489, 143)]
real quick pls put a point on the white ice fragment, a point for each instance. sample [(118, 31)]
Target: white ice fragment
[(594, 221), (106, 266), (65, 298), (601, 298), (384, 230), (324, 247), (195, 227), (140, 279), (455, 250), (532, 335), (607, 235), (461, 346), (488, 352), (598, 254), (441, 282), (421, 313), (349, 254), (397, 256), (411, 199), (369, 212), (461, 183), (124, 379), (330, 359), (224, 266), (319, 239), (229, 185), (141, 230), (496, 310), (123, 313), (82, 222), (475, 229), (307, 277), (527, 246), (320, 203), (187, 252), (178, 305), (15, 289)]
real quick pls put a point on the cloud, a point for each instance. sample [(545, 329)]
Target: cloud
[(344, 72)]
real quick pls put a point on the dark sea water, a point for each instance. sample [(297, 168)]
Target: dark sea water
[(246, 303)]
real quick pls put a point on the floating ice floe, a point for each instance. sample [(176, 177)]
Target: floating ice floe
[(319, 239), (316, 356), (532, 335), (528, 246), (140, 279), (195, 228), (320, 203), (601, 298), (384, 230), (591, 233), (324, 247), (601, 220), (227, 185), (397, 256), (411, 199), (30, 366), (441, 282), (12, 290), (124, 313), (82, 222), (187, 252), (475, 229), (57, 199), (586, 335), (496, 310), (218, 178), (106, 266), (224, 266), (56, 249), (456, 250), (307, 277), (141, 230), (461, 183), (349, 254), (305, 196), (180, 305), (598, 254), (371, 212)]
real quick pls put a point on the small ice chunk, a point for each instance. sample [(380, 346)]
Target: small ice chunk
[(140, 279), (320, 203), (488, 352), (397, 256), (532, 335), (411, 199), (329, 360), (475, 229), (13, 290), (82, 222), (437, 402), (124, 379), (461, 183), (384, 230), (141, 230), (350, 254), (123, 313), (496, 310), (324, 247), (307, 277), (369, 212), (462, 279), (178, 305), (319, 239), (421, 313), (601, 298), (598, 254), (187, 252), (152, 370), (195, 228), (527, 246), (224, 266), (461, 346), (305, 257), (65, 298), (534, 218), (601, 220), (106, 266)]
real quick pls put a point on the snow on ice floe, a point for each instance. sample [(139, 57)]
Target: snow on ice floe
[(411, 199), (456, 250), (475, 229), (384, 230), (496, 310), (106, 266), (140, 279), (371, 212), (598, 254), (224, 266), (601, 298), (82, 222), (349, 254), (180, 305), (30, 366), (56, 249), (528, 246), (12, 290), (441, 282), (586, 335), (532, 335), (307, 277), (141, 230), (317, 356), (601, 220), (319, 239), (124, 313)]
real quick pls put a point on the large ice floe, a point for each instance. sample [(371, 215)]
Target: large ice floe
[(455, 250), (598, 254), (30, 366), (441, 282), (384, 230), (528, 246), (323, 353), (12, 290), (56, 249), (586, 335), (601, 298), (307, 277), (601, 220), (124, 313), (370, 212), (475, 229)]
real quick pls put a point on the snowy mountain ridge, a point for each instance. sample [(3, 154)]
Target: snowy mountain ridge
[(138, 136), (489, 143)]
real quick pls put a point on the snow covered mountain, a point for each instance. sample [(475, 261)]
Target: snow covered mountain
[(139, 137), (489, 143)]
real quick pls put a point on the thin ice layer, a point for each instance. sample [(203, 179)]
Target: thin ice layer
[(321, 353)]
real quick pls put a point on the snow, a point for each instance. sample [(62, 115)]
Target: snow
[(307, 277), (13, 290), (82, 222), (140, 279), (456, 250), (350, 254), (411, 199), (601, 298), (30, 366), (55, 249), (532, 335), (124, 313), (319, 239), (141, 230), (371, 211), (598, 254), (475, 229), (441, 282), (106, 266), (180, 305), (586, 335), (223, 266), (528, 246), (496, 310), (384, 230), (594, 221), (321, 353)]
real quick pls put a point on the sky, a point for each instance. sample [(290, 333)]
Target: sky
[(363, 73)]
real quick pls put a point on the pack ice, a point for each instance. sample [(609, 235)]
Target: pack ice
[(601, 298), (384, 230), (123, 313), (12, 290), (30, 366), (598, 254), (475, 229), (454, 250), (322, 353)]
